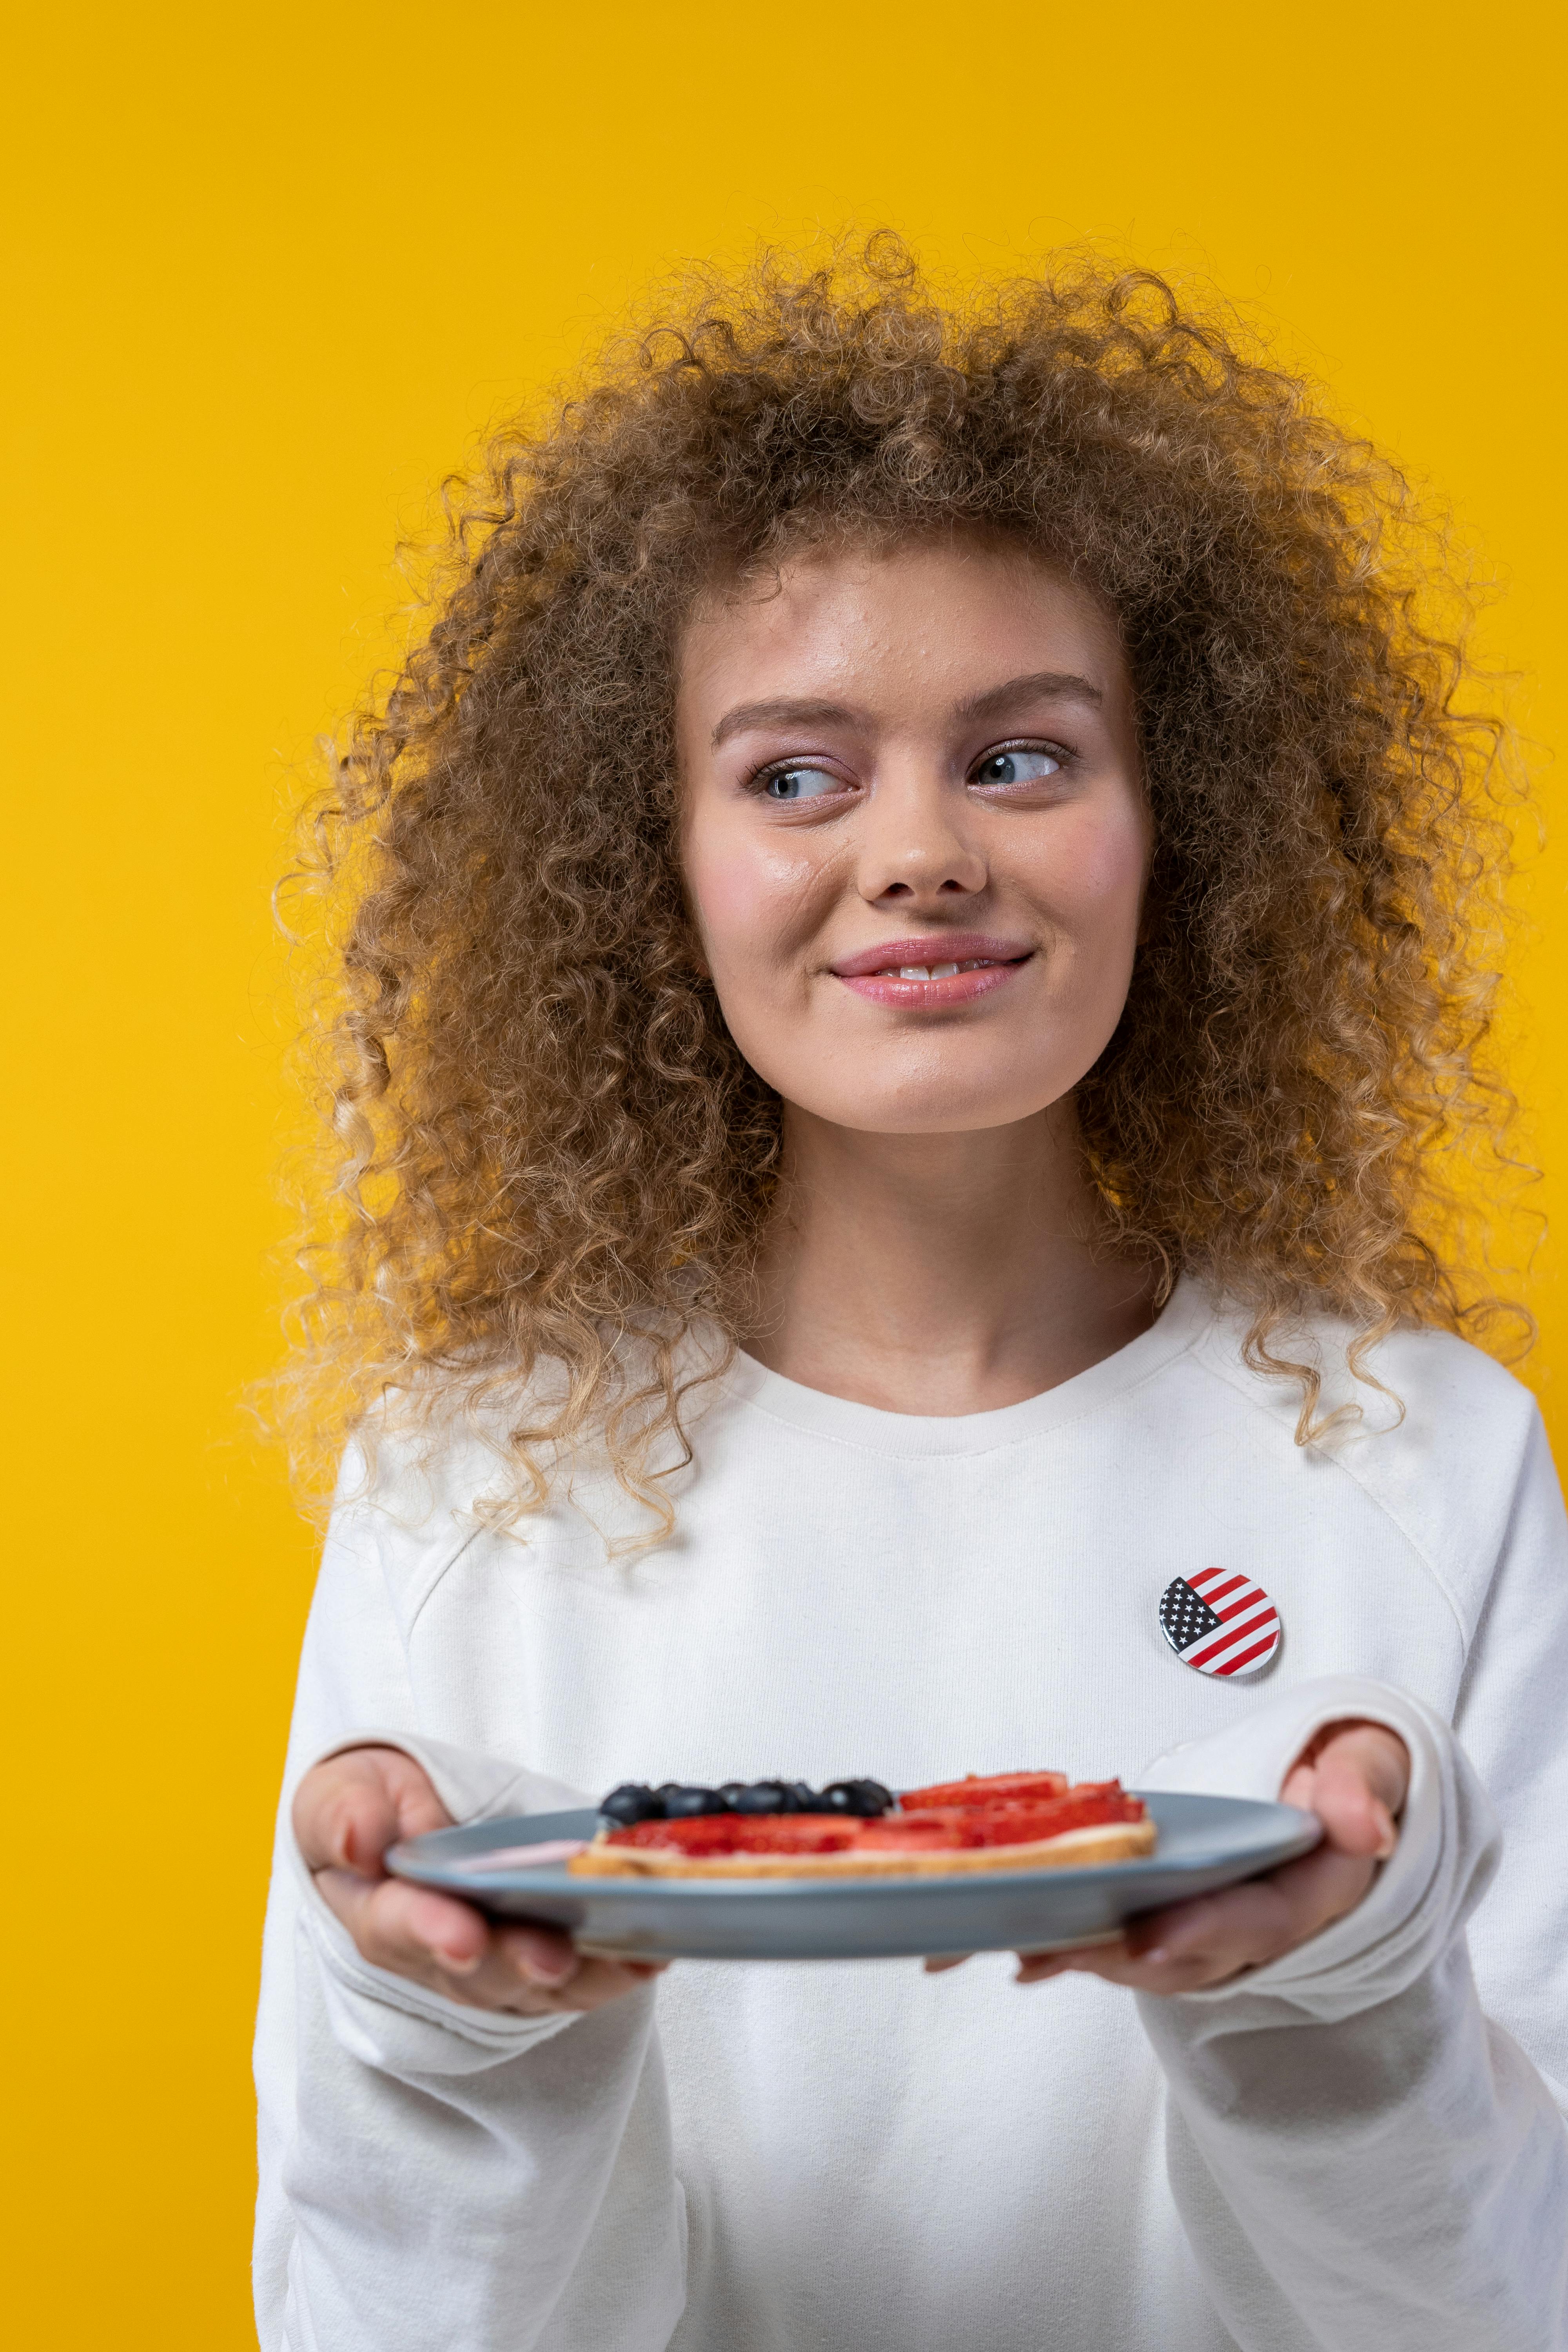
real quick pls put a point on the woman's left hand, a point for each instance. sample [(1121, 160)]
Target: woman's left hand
[(1355, 1777)]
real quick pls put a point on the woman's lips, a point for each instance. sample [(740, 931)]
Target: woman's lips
[(915, 973)]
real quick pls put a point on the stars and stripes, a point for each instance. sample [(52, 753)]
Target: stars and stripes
[(1219, 1623)]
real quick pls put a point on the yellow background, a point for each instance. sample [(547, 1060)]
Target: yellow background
[(275, 270)]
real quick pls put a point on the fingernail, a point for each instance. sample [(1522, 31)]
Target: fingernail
[(540, 1973), (461, 1964)]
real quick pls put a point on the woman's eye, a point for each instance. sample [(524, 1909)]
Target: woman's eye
[(800, 784), (1017, 767)]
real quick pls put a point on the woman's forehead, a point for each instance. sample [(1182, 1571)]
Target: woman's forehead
[(964, 613)]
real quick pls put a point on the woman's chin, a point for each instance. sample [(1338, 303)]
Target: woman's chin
[(934, 1111)]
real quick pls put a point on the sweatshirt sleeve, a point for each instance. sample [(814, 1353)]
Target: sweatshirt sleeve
[(1356, 2130), (437, 2177)]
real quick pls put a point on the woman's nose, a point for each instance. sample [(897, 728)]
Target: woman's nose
[(915, 842)]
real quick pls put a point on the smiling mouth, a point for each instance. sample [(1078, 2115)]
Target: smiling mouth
[(913, 975), (941, 971)]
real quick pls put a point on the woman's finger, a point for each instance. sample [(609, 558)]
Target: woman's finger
[(447, 1945), (348, 1810), (594, 1983), (1192, 1945), (1355, 1777), (1248, 1925), (1356, 1793), (342, 1816), (397, 1926), (454, 1950)]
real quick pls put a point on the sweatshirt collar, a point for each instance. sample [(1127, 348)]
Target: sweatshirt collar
[(1187, 1314)]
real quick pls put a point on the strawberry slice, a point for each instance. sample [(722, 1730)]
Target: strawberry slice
[(930, 1829), (999, 1788)]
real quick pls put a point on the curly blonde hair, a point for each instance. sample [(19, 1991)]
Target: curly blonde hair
[(548, 1146)]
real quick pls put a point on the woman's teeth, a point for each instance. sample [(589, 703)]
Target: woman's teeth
[(938, 970)]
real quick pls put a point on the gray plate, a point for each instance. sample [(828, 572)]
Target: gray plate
[(1205, 1842)]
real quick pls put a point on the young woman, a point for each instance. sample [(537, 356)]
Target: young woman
[(909, 959)]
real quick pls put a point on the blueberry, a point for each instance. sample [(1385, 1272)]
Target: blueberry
[(632, 1801), (760, 1798), (674, 1801), (768, 1797), (682, 1805), (865, 1799)]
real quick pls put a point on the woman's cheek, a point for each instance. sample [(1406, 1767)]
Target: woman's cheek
[(1094, 891), (1105, 855), (755, 906)]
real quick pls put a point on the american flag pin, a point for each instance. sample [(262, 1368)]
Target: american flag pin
[(1220, 1624)]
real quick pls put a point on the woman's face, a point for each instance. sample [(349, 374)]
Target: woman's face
[(915, 841)]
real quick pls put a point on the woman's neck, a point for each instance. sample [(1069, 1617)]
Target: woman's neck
[(940, 1274)]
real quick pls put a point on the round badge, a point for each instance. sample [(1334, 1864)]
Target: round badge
[(1220, 1624)]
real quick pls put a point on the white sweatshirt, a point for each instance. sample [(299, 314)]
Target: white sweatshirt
[(1359, 2148)]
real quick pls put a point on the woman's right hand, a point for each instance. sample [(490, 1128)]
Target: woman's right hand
[(347, 1812)]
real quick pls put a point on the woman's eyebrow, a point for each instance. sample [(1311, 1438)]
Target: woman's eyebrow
[(1041, 685), (783, 712), (997, 702)]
